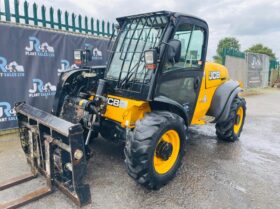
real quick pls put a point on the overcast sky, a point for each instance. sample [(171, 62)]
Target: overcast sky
[(250, 21)]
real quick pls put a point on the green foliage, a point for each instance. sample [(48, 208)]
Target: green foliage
[(261, 49), (227, 42), (218, 59)]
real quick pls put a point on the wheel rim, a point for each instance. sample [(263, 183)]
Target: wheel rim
[(238, 120), (164, 155)]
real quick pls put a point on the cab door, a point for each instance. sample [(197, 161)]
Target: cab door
[(181, 81)]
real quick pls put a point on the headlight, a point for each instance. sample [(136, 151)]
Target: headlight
[(150, 59), (77, 55), (78, 154)]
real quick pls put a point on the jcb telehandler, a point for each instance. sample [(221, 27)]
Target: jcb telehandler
[(156, 84)]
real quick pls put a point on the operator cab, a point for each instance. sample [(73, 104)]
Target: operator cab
[(159, 55)]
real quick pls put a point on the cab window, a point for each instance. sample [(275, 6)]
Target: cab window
[(191, 38)]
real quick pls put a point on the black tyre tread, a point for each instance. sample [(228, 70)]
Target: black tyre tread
[(224, 130), (138, 149)]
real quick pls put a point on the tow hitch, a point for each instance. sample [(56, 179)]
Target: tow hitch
[(55, 149)]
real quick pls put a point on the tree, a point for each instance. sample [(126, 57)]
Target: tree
[(227, 42), (261, 49)]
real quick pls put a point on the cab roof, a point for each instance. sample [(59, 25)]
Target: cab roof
[(158, 13)]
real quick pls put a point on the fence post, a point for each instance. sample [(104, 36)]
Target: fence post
[(224, 56), (86, 24), (97, 27), (80, 23), (83, 25), (92, 26), (66, 15), (103, 28), (26, 15), (7, 10), (59, 18), (35, 16), (16, 4), (73, 22), (108, 28), (51, 17), (43, 11)]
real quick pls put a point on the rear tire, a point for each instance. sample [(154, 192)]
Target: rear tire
[(148, 143), (231, 129)]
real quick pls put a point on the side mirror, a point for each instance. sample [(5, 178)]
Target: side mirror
[(174, 50), (117, 27), (151, 59)]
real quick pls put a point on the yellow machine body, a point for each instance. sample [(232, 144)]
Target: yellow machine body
[(207, 90), (127, 111)]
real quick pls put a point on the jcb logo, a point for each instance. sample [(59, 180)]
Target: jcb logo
[(214, 75), (113, 102), (117, 102)]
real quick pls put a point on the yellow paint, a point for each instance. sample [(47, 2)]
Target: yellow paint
[(91, 98), (127, 116), (214, 67), (82, 101), (241, 84), (135, 109), (207, 90), (237, 126), (163, 166)]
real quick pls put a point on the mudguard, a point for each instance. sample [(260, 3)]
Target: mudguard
[(164, 103), (223, 97)]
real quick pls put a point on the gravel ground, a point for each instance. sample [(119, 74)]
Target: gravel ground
[(214, 174)]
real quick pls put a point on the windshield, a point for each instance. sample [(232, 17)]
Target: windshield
[(136, 36)]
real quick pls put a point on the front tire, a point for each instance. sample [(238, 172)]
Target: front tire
[(231, 129), (155, 148)]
